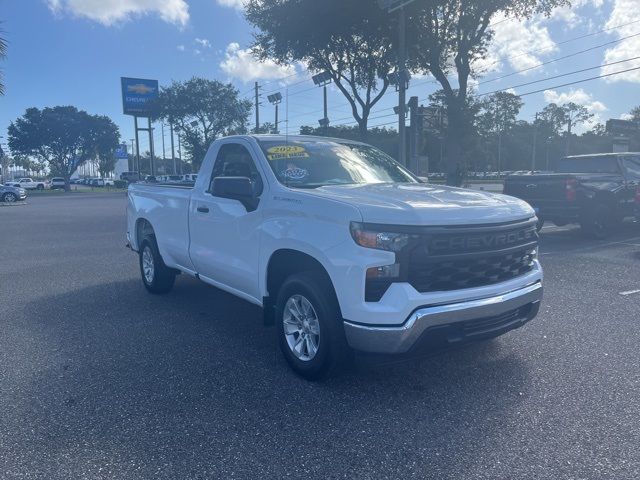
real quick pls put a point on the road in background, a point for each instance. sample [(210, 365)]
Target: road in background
[(99, 379)]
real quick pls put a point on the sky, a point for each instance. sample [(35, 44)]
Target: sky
[(73, 52)]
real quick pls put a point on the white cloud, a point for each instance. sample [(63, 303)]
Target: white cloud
[(569, 15), (203, 42), (237, 4), (520, 44), (624, 11), (180, 47), (626, 116), (579, 97), (109, 12), (240, 64)]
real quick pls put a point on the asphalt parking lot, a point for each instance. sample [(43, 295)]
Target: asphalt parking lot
[(99, 379)]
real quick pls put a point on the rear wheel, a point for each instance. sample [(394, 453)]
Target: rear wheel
[(9, 197), (309, 325), (40, 187), (156, 276), (599, 222)]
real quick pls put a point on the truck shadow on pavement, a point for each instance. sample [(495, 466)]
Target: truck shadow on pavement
[(192, 385)]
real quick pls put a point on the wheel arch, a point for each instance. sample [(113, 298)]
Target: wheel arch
[(284, 263), (143, 228)]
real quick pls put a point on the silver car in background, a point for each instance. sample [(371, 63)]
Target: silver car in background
[(11, 194)]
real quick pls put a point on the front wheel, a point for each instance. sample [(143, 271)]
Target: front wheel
[(40, 187), (309, 325), (156, 276), (9, 197)]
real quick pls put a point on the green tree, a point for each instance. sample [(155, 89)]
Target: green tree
[(203, 110), (383, 138), (62, 138), (635, 114), (349, 40), (553, 117), (447, 38)]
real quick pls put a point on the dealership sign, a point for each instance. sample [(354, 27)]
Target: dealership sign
[(137, 96)]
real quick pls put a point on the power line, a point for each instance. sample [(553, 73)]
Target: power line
[(559, 76), (564, 57), (582, 81)]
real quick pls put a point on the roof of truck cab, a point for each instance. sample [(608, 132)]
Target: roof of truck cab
[(608, 154)]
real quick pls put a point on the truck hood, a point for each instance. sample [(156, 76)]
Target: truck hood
[(424, 204)]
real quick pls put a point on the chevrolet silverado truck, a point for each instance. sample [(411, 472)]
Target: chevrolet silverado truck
[(596, 191), (341, 246)]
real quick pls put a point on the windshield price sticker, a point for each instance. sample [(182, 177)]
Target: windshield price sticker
[(286, 152)]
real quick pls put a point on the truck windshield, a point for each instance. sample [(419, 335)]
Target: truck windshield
[(596, 164), (316, 163)]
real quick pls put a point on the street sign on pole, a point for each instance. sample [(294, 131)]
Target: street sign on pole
[(121, 152), (137, 96)]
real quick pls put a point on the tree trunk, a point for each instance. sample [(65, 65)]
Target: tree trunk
[(67, 183), (456, 132), (362, 127)]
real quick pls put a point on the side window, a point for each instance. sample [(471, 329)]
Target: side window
[(632, 165), (234, 160)]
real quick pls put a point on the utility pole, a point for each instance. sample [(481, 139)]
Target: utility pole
[(257, 88), (275, 99), (535, 140), (569, 135), (173, 151), (413, 135), (162, 128), (402, 87)]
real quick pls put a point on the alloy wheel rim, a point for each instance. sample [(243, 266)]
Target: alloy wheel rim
[(10, 198), (301, 327), (147, 265)]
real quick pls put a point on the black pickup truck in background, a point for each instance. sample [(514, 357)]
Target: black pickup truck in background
[(596, 191)]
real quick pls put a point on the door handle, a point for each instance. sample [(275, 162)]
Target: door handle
[(203, 209)]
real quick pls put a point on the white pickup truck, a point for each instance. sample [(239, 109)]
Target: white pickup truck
[(341, 246)]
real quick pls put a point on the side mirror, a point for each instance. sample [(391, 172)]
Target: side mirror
[(237, 188)]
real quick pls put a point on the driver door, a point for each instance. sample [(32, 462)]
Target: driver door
[(224, 235)]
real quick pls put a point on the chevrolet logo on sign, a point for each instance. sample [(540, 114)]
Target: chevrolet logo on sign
[(140, 89)]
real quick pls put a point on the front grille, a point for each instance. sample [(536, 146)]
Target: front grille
[(490, 324), (465, 257), (454, 258), (434, 275)]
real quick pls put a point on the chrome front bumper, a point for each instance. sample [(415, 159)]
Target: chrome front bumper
[(479, 318)]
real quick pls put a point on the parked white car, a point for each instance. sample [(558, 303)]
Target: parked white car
[(341, 246), (30, 184), (57, 182)]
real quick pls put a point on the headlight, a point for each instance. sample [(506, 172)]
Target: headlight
[(390, 241)]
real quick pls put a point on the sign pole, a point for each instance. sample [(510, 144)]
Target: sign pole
[(153, 170), (135, 122)]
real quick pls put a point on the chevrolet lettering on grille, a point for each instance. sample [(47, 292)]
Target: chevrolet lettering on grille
[(483, 241)]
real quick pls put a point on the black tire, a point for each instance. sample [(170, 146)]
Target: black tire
[(332, 349), (40, 187), (9, 198), (162, 278), (598, 223), (539, 223)]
